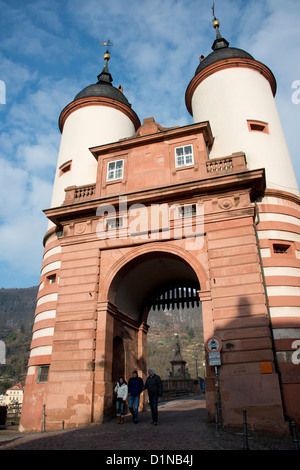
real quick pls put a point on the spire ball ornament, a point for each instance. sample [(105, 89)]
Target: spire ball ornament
[(106, 55), (108, 44)]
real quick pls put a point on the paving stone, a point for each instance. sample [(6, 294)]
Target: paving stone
[(182, 427)]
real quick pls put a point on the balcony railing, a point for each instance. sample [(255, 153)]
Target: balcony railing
[(217, 166), (79, 193)]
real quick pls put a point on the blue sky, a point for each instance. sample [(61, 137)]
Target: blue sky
[(50, 50)]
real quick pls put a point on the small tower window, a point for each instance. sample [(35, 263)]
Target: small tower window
[(184, 156), (51, 279), (65, 167), (258, 126), (282, 249), (42, 375), (115, 170)]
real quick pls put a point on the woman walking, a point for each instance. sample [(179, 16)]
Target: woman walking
[(121, 389)]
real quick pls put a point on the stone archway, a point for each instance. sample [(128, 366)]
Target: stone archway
[(128, 284)]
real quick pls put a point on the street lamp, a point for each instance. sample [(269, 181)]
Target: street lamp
[(196, 357)]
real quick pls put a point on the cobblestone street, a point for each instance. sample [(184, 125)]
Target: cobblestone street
[(182, 427)]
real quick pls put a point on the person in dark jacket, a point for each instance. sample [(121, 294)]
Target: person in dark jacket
[(154, 386), (135, 388)]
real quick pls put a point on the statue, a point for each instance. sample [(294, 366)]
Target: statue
[(177, 349), (178, 364)]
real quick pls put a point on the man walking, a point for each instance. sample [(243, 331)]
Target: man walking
[(135, 388), (154, 386)]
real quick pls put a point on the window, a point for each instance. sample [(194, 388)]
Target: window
[(42, 376), (281, 248), (187, 211), (184, 156), (258, 126), (65, 167), (52, 279), (112, 224), (115, 170)]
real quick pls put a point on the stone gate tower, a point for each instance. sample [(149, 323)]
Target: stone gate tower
[(212, 206)]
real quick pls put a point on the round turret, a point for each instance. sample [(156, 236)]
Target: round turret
[(235, 93), (99, 114)]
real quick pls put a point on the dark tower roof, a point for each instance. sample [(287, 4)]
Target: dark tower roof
[(103, 87), (221, 50)]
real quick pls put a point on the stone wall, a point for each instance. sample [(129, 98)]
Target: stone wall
[(179, 387)]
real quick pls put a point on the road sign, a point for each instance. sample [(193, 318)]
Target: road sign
[(213, 344), (214, 358)]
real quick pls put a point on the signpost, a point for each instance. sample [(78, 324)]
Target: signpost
[(213, 346)]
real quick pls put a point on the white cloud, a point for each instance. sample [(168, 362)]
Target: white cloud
[(13, 182), (43, 155), (22, 225)]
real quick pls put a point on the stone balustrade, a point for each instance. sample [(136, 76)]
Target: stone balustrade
[(79, 193), (234, 162)]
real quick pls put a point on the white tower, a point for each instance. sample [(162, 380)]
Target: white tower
[(235, 93), (99, 114)]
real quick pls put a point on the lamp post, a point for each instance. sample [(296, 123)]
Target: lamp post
[(196, 357)]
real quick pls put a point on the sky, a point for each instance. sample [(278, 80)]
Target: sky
[(50, 50)]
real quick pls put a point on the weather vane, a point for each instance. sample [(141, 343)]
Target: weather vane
[(213, 11), (106, 56), (216, 22), (108, 44)]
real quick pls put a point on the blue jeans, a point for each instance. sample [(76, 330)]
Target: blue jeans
[(133, 404), (153, 401), (120, 407)]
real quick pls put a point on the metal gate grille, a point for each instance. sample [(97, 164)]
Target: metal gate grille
[(174, 295)]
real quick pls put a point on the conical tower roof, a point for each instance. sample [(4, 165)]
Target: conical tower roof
[(224, 57), (104, 87), (221, 50)]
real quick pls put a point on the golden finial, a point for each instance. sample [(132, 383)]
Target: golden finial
[(106, 56), (216, 22)]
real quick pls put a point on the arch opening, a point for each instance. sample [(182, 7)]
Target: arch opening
[(136, 281), (159, 292)]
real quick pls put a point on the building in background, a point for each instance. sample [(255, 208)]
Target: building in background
[(13, 397)]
